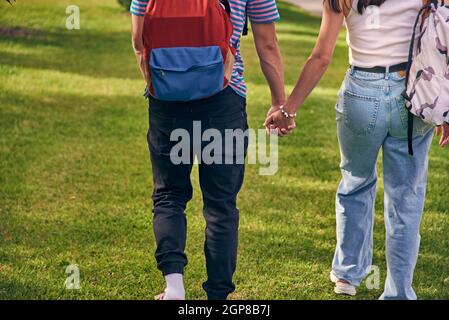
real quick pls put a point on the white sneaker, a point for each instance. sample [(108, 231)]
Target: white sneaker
[(342, 286)]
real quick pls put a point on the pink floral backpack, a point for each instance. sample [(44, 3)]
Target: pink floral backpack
[(427, 92)]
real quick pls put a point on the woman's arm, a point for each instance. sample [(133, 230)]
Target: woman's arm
[(319, 60), (137, 40), (312, 73)]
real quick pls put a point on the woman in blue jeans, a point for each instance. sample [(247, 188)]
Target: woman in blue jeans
[(371, 116)]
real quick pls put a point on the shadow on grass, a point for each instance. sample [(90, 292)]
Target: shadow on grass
[(18, 290), (77, 53), (36, 130)]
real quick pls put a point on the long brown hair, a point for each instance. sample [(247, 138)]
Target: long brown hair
[(336, 6)]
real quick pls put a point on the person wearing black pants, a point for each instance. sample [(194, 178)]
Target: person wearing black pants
[(220, 182)]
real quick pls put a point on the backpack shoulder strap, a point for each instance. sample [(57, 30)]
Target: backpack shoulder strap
[(245, 27), (407, 78), (226, 5)]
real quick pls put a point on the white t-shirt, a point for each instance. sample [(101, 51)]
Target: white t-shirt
[(381, 36)]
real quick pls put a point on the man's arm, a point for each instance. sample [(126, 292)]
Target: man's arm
[(270, 60), (137, 41)]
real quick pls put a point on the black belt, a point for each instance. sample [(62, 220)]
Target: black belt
[(392, 69)]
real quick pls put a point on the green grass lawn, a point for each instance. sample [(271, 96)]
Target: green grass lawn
[(75, 175)]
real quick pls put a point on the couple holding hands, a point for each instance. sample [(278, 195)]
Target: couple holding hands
[(371, 116)]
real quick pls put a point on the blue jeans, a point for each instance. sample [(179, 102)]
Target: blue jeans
[(371, 115)]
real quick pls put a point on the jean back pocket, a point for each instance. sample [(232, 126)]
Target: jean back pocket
[(360, 113), (186, 74)]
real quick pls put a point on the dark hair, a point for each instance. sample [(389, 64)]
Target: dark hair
[(361, 5)]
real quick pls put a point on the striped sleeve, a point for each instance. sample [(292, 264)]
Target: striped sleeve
[(262, 11), (138, 7)]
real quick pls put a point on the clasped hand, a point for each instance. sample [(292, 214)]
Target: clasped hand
[(277, 123)]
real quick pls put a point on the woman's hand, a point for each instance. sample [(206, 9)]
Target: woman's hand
[(444, 132)]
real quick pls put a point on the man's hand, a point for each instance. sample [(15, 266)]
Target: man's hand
[(144, 67), (279, 124), (444, 132)]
